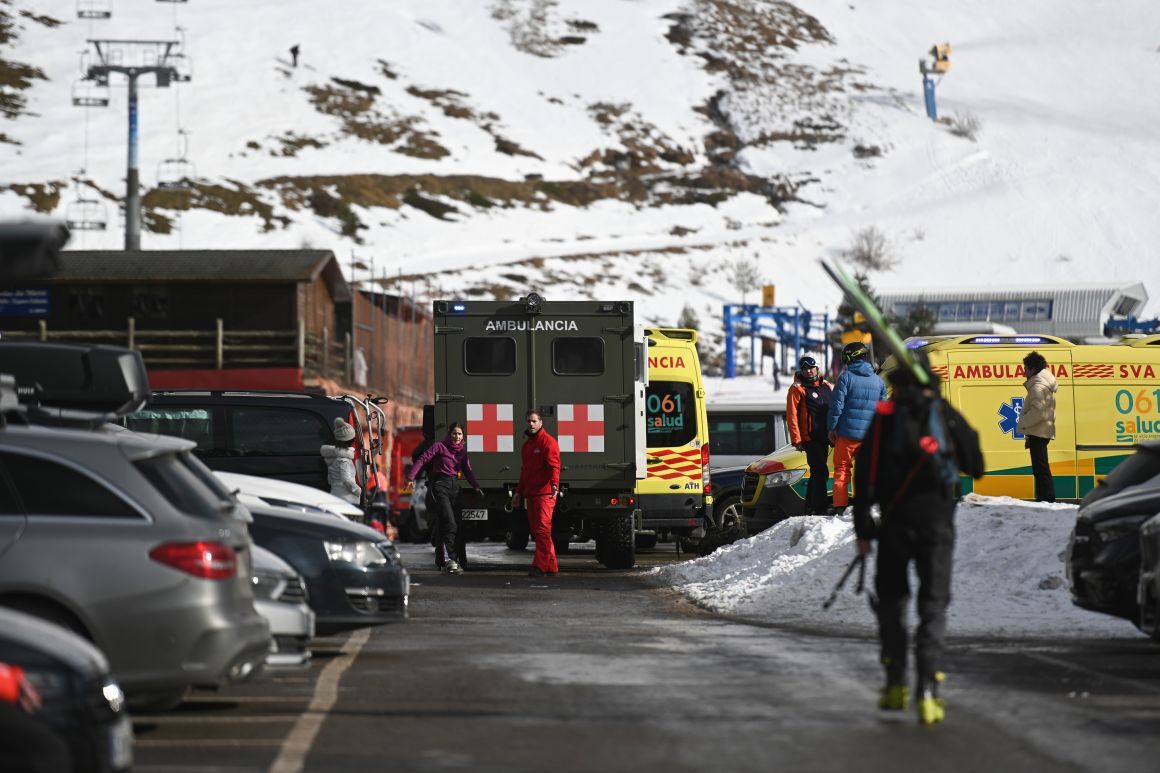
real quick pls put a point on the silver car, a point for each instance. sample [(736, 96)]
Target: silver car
[(132, 543), (280, 597)]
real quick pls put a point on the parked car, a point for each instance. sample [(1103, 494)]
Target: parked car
[(1104, 559), (267, 434), (739, 433), (280, 597), (129, 541), (81, 702), (1148, 590), (252, 490), (354, 576), (727, 483)]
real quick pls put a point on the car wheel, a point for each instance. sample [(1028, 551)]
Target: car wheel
[(517, 539), (728, 512), (49, 612), (646, 541), (158, 701), (620, 547)]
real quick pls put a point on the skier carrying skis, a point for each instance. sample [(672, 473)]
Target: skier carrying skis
[(909, 464)]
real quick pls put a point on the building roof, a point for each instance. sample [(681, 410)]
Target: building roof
[(1073, 310), (229, 266)]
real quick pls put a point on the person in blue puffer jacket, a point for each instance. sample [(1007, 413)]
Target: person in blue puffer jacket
[(856, 396)]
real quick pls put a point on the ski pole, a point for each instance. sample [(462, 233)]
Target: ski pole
[(859, 560)]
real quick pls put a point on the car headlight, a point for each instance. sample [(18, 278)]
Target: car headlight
[(360, 552), (268, 585), (113, 695), (1117, 528), (784, 477)]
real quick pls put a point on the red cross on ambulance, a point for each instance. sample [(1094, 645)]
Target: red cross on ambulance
[(490, 427), (580, 428)]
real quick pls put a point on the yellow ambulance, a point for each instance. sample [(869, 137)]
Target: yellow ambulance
[(1108, 400), (675, 490)]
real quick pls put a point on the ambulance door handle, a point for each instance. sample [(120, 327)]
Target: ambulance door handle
[(675, 486), (618, 330), (505, 468), (448, 398), (619, 465), (441, 329), (617, 398)]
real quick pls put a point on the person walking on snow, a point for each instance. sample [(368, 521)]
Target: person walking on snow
[(856, 395), (807, 409), (538, 487), (448, 458), (339, 460), (909, 465), (1037, 421)]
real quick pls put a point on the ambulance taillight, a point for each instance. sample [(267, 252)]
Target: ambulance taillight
[(705, 484)]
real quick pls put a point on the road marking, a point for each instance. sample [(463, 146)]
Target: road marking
[(164, 720), (1061, 663), (301, 737), (184, 743)]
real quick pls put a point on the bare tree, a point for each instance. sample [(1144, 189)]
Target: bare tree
[(871, 250), (744, 275), (689, 318)]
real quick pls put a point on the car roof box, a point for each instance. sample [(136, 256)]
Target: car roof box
[(108, 381)]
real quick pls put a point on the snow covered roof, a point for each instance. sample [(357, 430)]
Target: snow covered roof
[(1069, 311), (158, 266)]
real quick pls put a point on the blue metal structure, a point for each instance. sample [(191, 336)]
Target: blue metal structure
[(928, 86), (793, 326), (1131, 325)]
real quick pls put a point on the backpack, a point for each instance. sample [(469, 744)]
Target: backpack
[(935, 448)]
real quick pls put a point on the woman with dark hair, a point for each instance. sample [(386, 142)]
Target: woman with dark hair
[(1037, 421), (447, 459)]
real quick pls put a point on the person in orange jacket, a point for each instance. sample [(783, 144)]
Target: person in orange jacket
[(807, 409), (538, 487)]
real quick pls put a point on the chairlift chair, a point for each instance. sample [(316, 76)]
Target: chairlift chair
[(175, 174), (86, 214), (94, 9), (182, 67), (90, 92)]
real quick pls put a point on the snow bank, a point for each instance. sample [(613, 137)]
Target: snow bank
[(1009, 577)]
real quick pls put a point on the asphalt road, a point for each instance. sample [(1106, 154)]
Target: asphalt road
[(598, 670)]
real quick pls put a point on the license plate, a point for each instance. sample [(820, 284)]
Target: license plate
[(121, 743), (475, 515)]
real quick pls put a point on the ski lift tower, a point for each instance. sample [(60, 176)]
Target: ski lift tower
[(134, 58)]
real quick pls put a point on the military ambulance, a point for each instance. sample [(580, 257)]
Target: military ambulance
[(1108, 400), (582, 365), (673, 494)]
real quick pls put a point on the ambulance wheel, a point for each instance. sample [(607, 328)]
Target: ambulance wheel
[(646, 541), (517, 539), (620, 549)]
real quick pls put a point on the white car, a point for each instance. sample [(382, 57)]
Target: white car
[(252, 490), (280, 597)]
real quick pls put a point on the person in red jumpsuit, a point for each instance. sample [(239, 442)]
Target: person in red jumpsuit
[(538, 488)]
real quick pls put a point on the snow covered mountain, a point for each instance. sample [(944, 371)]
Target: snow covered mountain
[(628, 148)]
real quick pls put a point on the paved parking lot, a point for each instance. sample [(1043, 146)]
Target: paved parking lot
[(596, 670)]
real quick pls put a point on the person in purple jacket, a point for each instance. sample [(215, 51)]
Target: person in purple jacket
[(446, 458)]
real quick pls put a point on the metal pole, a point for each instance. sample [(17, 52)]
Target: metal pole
[(132, 332), (219, 348), (301, 344), (132, 195), (730, 346)]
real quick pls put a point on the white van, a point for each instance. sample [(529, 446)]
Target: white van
[(742, 432)]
